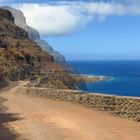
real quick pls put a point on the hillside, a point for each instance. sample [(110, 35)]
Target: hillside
[(34, 35), (21, 58)]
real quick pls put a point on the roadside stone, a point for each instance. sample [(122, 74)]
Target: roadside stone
[(121, 106)]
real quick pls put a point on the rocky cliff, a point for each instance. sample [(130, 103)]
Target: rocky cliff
[(34, 34), (21, 58), (58, 58)]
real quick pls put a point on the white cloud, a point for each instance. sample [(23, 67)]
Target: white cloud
[(55, 19), (65, 17)]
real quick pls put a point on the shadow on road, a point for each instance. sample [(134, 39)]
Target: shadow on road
[(7, 132)]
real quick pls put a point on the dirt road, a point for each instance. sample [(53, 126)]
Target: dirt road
[(24, 117)]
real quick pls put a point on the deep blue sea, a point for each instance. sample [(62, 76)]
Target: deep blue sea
[(125, 76)]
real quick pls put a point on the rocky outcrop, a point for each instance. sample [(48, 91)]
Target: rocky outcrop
[(6, 15), (20, 20), (57, 56), (7, 27), (34, 34)]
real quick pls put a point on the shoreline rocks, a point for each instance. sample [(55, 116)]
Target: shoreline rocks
[(90, 79)]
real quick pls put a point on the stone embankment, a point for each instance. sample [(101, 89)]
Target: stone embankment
[(126, 107)]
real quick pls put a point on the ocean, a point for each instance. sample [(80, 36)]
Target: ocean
[(124, 81)]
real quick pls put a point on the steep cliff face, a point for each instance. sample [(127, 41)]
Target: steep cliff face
[(18, 55), (20, 21), (34, 34), (22, 58), (45, 46)]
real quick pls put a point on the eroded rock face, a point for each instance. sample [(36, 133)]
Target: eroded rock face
[(57, 56), (20, 19), (34, 34), (4, 14)]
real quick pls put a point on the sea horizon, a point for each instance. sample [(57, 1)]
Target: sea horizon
[(124, 75)]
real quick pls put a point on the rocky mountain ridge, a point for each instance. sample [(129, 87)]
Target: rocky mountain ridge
[(21, 58), (33, 34)]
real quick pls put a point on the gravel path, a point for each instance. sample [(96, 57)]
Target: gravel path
[(25, 117)]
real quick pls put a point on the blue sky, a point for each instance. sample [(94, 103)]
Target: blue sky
[(106, 30), (116, 38)]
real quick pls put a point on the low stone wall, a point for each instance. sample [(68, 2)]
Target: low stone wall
[(121, 106)]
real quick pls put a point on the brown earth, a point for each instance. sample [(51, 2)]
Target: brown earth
[(25, 117)]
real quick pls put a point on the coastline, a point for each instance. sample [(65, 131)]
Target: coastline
[(113, 95), (124, 76), (91, 78)]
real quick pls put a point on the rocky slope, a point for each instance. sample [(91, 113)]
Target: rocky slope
[(22, 58), (34, 34)]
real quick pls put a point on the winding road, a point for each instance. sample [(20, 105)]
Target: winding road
[(25, 117)]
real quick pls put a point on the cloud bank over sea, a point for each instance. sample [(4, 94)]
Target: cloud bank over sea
[(65, 17)]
